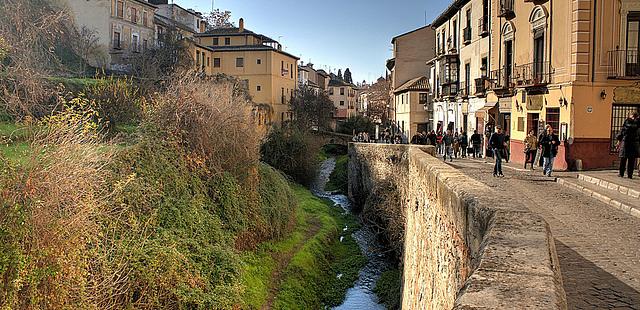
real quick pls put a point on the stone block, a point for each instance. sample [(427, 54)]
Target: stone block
[(634, 193)]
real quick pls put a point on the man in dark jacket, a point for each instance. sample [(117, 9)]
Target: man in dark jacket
[(549, 143), (497, 144), (628, 145), (464, 143), (476, 143)]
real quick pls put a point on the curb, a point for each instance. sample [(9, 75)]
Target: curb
[(609, 185), (603, 198)]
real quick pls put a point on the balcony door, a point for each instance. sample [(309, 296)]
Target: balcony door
[(633, 44), (538, 56), (508, 62)]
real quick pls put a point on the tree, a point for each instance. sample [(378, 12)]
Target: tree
[(379, 95), (347, 76), (340, 74), (311, 109), (219, 19)]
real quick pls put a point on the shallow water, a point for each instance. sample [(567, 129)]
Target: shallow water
[(361, 295)]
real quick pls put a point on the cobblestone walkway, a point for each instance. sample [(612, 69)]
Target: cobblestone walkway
[(598, 246)]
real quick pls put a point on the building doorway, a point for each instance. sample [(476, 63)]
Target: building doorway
[(619, 114)]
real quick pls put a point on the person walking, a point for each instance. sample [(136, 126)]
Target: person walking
[(456, 145), (507, 148), (530, 149), (448, 141), (549, 144), (628, 145), (497, 144), (439, 142), (476, 143), (464, 143)]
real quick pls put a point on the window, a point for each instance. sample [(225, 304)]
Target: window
[(216, 62), (239, 62), (633, 44), (331, 91), (145, 19), (341, 103), (291, 70), (259, 88), (227, 41), (619, 114), (553, 118), (208, 61), (423, 98), (134, 15), (259, 61), (216, 41), (134, 43), (197, 58), (455, 34), (483, 67), (438, 43), (144, 45), (341, 91), (520, 124), (467, 78), (116, 40), (120, 9)]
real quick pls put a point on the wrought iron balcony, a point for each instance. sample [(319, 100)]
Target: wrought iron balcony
[(466, 35), (506, 9), (464, 89), (500, 79), (624, 64), (532, 74), (481, 86), (483, 26)]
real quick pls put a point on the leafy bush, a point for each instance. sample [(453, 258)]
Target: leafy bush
[(293, 152), (389, 288), (119, 100), (339, 178), (356, 124)]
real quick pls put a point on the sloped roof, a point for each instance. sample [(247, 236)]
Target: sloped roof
[(409, 32), (449, 12), (228, 48), (420, 83), (334, 82), (234, 31)]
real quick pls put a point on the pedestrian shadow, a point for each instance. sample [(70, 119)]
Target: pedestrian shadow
[(590, 287)]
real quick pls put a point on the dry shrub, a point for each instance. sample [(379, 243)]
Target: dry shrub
[(384, 213), (48, 220), (31, 31), (214, 123)]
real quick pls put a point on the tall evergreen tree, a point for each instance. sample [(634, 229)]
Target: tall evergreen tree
[(340, 74), (347, 76)]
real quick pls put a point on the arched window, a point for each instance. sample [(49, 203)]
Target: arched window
[(538, 18), (508, 31)]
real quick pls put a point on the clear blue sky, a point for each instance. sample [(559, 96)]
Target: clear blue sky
[(349, 33)]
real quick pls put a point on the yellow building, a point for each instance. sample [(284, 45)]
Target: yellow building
[(571, 64), (271, 74), (122, 28), (412, 106), (343, 96)]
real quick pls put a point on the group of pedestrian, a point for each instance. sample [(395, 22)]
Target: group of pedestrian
[(547, 143), (629, 145), (362, 137)]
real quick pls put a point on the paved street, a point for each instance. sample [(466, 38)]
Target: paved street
[(598, 246)]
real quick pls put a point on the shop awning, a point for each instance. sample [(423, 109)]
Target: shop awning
[(487, 106)]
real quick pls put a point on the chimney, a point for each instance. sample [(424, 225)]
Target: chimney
[(203, 26), (241, 25)]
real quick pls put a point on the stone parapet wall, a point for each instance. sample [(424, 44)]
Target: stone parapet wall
[(464, 247)]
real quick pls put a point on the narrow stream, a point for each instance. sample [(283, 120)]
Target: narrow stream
[(361, 295)]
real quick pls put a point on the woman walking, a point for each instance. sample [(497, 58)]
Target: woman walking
[(530, 149), (628, 145)]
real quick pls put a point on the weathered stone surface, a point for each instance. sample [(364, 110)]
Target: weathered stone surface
[(464, 248)]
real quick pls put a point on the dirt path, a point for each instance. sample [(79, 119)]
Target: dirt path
[(598, 246), (283, 260)]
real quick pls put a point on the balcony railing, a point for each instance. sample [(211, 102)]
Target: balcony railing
[(500, 79), (466, 35), (483, 26), (464, 89), (532, 74), (506, 9), (481, 86), (624, 64)]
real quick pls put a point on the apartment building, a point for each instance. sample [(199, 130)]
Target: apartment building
[(309, 77), (570, 64), (343, 96), (171, 16), (271, 74), (410, 71), (413, 106), (122, 28)]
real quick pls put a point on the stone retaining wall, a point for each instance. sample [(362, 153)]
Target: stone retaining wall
[(463, 248)]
